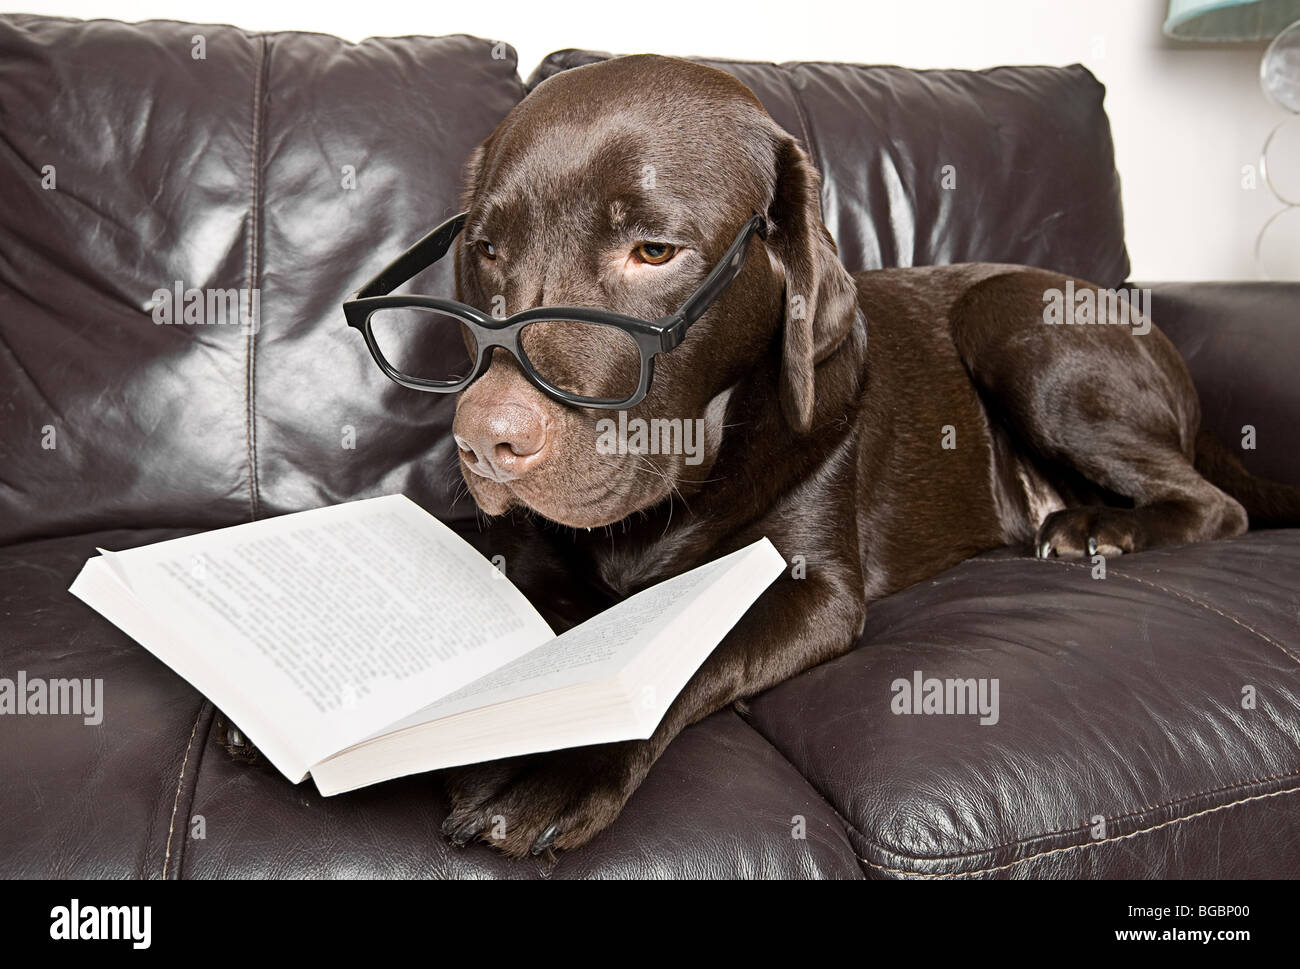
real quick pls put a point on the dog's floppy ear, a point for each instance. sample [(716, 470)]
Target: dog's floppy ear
[(821, 300)]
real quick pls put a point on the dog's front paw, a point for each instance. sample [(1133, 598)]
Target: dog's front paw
[(1083, 532), (529, 805)]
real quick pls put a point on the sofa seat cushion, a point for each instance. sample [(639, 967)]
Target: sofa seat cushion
[(86, 800), (1148, 722), (720, 803), (123, 798), (1121, 745)]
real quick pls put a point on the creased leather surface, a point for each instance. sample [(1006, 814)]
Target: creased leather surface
[(222, 173), (1120, 698), (719, 804), (151, 163), (1032, 176), (404, 113), (78, 800), (120, 799)]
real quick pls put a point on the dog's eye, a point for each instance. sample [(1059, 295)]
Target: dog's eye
[(655, 253), (488, 250)]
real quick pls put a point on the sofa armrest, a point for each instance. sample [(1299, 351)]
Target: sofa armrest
[(1241, 341)]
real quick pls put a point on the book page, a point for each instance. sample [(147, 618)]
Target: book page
[(610, 679), (336, 619), (599, 647)]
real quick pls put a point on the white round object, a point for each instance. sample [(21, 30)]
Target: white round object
[(1280, 161), (1279, 71), (1277, 250)]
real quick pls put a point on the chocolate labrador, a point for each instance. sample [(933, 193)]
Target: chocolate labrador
[(883, 425)]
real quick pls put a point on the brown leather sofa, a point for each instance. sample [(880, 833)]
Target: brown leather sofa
[(296, 164)]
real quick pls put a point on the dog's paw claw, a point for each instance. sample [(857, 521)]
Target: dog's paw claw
[(462, 834), (1073, 533), (231, 739), (546, 839)]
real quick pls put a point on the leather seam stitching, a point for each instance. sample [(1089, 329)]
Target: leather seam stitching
[(254, 270), (1074, 847), (1176, 802), (1173, 592), (176, 801)]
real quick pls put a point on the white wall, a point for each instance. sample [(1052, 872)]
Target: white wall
[(1186, 119)]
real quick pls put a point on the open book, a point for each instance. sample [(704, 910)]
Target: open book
[(367, 640)]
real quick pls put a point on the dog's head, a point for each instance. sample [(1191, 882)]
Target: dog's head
[(619, 185)]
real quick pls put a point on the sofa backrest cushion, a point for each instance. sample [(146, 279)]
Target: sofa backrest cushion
[(139, 157), (146, 163), (1012, 164)]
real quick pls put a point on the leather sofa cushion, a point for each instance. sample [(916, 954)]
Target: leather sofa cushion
[(82, 800), (1120, 699), (120, 799), (720, 803), (1029, 148), (225, 173)]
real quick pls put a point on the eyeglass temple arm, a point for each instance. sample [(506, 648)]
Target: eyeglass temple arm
[(420, 256), (723, 274)]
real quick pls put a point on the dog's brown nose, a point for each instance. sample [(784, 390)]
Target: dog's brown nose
[(501, 442)]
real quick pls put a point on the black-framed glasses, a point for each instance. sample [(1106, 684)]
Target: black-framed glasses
[(442, 346)]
